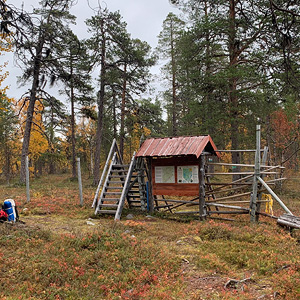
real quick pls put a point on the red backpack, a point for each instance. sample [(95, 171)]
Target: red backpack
[(3, 215)]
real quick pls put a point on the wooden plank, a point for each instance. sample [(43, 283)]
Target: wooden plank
[(107, 211), (109, 205), (176, 189), (120, 166), (117, 176), (112, 193)]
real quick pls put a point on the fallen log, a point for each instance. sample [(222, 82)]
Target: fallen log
[(289, 221)]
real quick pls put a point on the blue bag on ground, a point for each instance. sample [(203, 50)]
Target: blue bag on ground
[(9, 207)]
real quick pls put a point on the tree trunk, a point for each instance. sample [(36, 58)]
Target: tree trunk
[(232, 94), (123, 107), (208, 119), (100, 101), (30, 109), (174, 96), (115, 114), (74, 174)]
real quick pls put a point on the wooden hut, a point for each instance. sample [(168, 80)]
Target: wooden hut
[(176, 166)]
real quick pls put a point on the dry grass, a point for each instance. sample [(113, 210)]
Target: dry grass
[(57, 255)]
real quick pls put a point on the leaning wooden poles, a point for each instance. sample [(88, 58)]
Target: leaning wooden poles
[(258, 181)]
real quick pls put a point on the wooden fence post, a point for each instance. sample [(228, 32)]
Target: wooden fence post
[(27, 179), (150, 182), (264, 161), (253, 204), (79, 180), (201, 175)]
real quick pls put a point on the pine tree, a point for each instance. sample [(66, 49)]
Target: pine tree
[(168, 50), (36, 39), (75, 75)]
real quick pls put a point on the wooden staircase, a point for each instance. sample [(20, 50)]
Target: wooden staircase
[(137, 195), (120, 182)]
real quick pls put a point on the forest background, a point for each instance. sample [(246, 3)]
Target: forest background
[(227, 67)]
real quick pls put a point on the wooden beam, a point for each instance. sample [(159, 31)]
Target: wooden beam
[(185, 212), (259, 196), (176, 206), (112, 148), (242, 165), (227, 190), (274, 196), (228, 206), (248, 150), (221, 219), (240, 201), (289, 221), (230, 197), (253, 204), (201, 176), (125, 188), (243, 173), (224, 184), (150, 185), (176, 201), (229, 212)]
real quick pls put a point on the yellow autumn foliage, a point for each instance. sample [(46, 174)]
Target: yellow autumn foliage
[(133, 144), (38, 142)]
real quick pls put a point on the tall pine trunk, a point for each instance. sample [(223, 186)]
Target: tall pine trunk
[(123, 113), (30, 109), (100, 101), (174, 95), (232, 94), (74, 174)]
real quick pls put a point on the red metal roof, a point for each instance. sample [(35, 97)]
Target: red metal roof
[(176, 146)]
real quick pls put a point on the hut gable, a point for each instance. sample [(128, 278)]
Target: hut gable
[(177, 146)]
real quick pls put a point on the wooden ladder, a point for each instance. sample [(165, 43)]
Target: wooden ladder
[(137, 195), (115, 186)]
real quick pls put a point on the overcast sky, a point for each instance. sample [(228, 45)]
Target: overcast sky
[(144, 20)]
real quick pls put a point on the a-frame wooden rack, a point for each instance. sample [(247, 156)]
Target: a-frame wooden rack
[(120, 182)]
